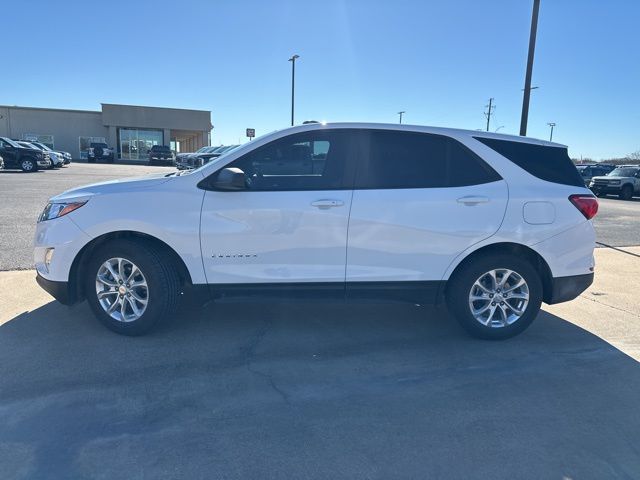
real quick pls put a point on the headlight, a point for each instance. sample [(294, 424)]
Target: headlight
[(55, 210)]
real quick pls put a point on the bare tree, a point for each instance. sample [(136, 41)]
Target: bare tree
[(635, 156)]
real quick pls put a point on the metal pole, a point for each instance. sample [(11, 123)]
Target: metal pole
[(527, 80), (489, 113), (551, 124), (400, 113), (293, 84)]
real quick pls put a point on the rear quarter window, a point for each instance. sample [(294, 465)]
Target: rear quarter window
[(545, 162)]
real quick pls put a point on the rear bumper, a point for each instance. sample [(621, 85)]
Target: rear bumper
[(564, 289), (58, 290)]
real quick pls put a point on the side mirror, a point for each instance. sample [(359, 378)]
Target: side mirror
[(230, 179)]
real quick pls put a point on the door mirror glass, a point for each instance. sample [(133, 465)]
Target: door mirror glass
[(230, 179)]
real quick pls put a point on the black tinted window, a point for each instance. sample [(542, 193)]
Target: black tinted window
[(400, 159), (547, 163), (304, 161)]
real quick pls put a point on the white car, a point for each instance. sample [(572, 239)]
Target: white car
[(490, 224)]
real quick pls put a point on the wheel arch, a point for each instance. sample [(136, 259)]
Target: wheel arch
[(520, 251), (77, 271)]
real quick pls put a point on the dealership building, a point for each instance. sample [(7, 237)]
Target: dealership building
[(132, 130)]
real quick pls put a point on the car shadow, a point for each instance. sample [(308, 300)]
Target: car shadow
[(312, 391)]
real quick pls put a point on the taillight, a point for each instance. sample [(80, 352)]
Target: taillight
[(587, 204)]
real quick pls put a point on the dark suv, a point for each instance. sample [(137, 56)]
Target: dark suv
[(161, 154), (17, 156), (100, 151), (587, 172)]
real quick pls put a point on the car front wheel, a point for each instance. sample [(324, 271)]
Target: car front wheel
[(627, 192), (130, 288), (28, 165), (495, 297)]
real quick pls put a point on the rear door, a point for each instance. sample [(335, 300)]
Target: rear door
[(419, 201)]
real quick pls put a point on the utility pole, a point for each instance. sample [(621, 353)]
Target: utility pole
[(527, 78), (401, 113), (551, 124), (490, 109), (293, 83)]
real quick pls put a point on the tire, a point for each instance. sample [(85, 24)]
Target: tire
[(161, 292), (28, 165), (462, 286), (627, 192)]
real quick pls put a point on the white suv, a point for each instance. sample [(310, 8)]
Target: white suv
[(490, 224)]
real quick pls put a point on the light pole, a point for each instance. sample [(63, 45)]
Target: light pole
[(527, 78), (401, 113), (551, 124), (293, 82)]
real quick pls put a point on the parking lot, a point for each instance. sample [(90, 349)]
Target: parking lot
[(617, 223), (314, 390)]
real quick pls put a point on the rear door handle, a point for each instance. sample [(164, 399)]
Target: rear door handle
[(324, 204), (473, 200)]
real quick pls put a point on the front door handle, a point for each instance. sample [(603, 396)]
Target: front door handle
[(324, 204), (473, 200)]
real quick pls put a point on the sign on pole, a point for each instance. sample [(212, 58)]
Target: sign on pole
[(251, 133)]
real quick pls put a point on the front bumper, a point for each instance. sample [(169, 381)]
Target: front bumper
[(58, 290), (564, 289), (606, 188)]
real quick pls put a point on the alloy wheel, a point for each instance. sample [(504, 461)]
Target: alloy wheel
[(498, 298), (122, 289)]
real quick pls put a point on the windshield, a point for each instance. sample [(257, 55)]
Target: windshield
[(624, 172), (10, 142), (42, 146), (29, 145)]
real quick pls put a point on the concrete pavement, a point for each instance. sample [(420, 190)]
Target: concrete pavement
[(322, 391)]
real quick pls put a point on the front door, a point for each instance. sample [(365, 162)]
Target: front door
[(290, 224)]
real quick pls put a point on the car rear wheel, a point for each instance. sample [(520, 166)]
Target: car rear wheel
[(28, 165), (130, 288), (627, 192), (495, 297)]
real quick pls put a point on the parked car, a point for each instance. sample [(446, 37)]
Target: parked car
[(182, 159), (624, 181), (206, 157), (66, 156), (56, 160), (99, 151), (17, 156), (587, 172), (161, 154), (477, 220), (1, 163)]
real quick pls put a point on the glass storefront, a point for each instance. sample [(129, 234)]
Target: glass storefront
[(135, 144)]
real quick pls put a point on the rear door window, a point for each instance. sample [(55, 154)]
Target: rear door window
[(545, 162), (401, 159)]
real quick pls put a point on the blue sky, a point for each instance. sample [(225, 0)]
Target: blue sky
[(440, 61)]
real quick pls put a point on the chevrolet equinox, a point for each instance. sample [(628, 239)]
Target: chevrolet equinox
[(489, 224)]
